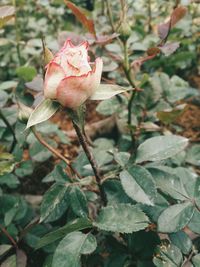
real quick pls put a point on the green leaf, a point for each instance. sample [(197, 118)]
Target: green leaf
[(10, 180), (122, 218), (160, 147), (114, 192), (39, 153), (10, 262), (69, 250), (26, 73), (3, 98), (78, 224), (54, 203), (139, 185), (78, 202), (106, 91), (194, 222), (122, 158), (169, 183), (57, 175), (4, 248), (89, 245), (167, 255), (42, 112), (193, 155), (6, 163), (175, 217), (25, 168), (182, 241), (109, 106), (6, 167), (196, 260), (8, 85)]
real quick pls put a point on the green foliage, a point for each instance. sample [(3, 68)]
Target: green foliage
[(123, 218), (55, 202), (78, 224), (160, 147), (139, 185), (68, 252), (168, 255)]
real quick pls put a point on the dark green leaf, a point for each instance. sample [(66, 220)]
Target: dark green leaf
[(69, 250), (196, 260), (78, 224), (55, 202), (195, 222), (78, 202), (167, 255), (122, 218), (193, 155), (168, 183), (175, 217), (139, 185), (182, 241)]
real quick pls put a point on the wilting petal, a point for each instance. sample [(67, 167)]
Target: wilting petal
[(75, 90), (53, 76)]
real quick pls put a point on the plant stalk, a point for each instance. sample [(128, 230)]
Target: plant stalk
[(85, 146), (55, 152)]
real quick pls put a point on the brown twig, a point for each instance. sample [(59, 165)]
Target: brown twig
[(55, 152), (84, 144), (3, 229)]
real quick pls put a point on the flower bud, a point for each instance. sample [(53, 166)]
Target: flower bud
[(70, 79), (124, 30)]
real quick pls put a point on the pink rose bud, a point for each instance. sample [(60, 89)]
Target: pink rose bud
[(69, 78)]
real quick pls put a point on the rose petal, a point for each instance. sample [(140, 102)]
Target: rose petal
[(75, 90), (53, 76)]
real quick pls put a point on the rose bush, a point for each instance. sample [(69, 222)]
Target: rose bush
[(69, 78)]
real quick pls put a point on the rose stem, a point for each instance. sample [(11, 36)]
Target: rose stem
[(54, 151), (85, 146)]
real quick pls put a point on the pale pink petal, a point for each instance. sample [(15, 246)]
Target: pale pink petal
[(75, 90), (53, 76)]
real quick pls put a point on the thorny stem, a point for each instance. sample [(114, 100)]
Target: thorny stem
[(11, 130), (55, 152), (84, 144)]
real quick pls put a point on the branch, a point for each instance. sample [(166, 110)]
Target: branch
[(84, 144), (55, 152), (3, 229)]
